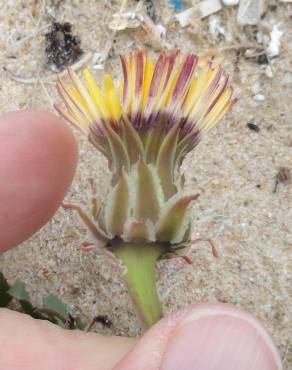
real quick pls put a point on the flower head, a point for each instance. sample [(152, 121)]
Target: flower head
[(145, 128), (153, 98)]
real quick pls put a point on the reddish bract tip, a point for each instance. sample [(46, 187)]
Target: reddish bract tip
[(187, 260), (86, 247)]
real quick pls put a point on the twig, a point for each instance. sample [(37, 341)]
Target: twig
[(241, 46), (46, 93), (17, 44), (53, 77), (213, 247), (124, 3), (104, 320)]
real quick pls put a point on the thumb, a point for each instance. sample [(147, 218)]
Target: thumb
[(211, 336)]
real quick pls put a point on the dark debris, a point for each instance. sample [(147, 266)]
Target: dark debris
[(253, 127), (262, 59), (104, 320), (62, 47), (283, 176), (150, 9)]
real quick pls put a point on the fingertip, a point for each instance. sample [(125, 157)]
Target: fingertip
[(38, 158)]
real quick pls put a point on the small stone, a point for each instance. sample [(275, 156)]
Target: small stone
[(259, 97), (256, 88), (253, 127), (269, 72)]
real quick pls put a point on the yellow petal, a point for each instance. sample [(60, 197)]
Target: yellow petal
[(108, 83), (96, 95), (148, 74), (112, 99), (114, 105)]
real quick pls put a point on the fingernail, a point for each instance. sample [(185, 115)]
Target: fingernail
[(220, 338)]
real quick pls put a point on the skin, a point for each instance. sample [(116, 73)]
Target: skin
[(38, 160), (35, 147)]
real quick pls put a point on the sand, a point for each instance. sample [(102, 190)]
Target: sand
[(233, 168)]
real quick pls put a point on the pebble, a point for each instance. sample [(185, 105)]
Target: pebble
[(259, 97), (269, 72), (273, 48)]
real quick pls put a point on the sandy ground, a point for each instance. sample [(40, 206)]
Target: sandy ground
[(234, 169)]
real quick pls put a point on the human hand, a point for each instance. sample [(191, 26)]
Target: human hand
[(38, 158)]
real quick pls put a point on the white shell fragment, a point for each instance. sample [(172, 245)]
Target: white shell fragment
[(273, 48), (208, 7), (269, 72), (250, 11), (184, 18), (259, 97), (215, 27), (161, 29), (230, 2), (201, 10), (121, 21)]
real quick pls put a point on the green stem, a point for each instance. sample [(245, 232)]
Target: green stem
[(140, 260)]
